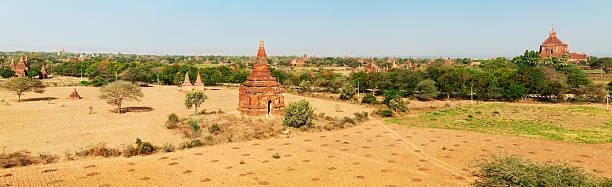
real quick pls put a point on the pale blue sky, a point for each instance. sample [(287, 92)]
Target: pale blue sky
[(321, 28)]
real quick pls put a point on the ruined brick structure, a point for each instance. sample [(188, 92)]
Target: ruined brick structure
[(75, 95), (261, 95), (553, 46)]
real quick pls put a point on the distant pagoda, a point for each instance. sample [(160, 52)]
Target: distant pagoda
[(186, 86), (261, 95), (198, 85)]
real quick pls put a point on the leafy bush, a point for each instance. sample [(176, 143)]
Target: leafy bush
[(172, 122), (85, 83), (298, 114), (520, 171), (369, 99), (144, 147), (397, 104), (98, 81), (347, 91), (276, 156), (348, 120), (391, 94), (386, 113)]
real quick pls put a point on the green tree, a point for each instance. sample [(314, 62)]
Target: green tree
[(306, 86), (135, 74), (6, 72), (529, 58), (514, 91), (298, 114), (427, 88), (117, 92), (601, 63), (347, 91), (21, 85), (194, 98)]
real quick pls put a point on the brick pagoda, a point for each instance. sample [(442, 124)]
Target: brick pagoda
[(553, 46), (20, 69), (261, 95)]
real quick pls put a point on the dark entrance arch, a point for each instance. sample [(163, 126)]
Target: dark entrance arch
[(269, 103)]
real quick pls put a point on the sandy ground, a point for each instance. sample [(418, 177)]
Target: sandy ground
[(63, 124), (372, 154), (375, 153)]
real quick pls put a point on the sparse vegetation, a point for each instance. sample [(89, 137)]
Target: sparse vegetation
[(48, 158), (520, 171), (214, 129), (19, 158), (191, 144), (98, 150), (173, 121), (276, 156)]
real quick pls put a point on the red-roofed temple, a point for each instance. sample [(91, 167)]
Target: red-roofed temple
[(261, 94), (553, 46)]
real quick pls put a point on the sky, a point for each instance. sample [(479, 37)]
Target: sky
[(321, 28)]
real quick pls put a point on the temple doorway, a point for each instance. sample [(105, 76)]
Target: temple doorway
[(269, 103)]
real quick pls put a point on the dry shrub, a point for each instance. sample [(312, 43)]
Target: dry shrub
[(98, 150), (48, 158), (18, 158)]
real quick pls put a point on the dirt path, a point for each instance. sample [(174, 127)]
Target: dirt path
[(373, 154)]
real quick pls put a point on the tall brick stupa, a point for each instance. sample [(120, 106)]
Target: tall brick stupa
[(261, 95)]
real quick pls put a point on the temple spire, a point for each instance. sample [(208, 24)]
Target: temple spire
[(552, 32), (262, 51), (187, 77)]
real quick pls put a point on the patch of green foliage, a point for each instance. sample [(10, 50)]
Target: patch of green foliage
[(520, 171)]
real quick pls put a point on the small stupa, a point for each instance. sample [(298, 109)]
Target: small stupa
[(75, 95), (186, 86), (43, 73), (198, 85)]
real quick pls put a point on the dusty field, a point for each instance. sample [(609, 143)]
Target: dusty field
[(375, 154), (62, 124)]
